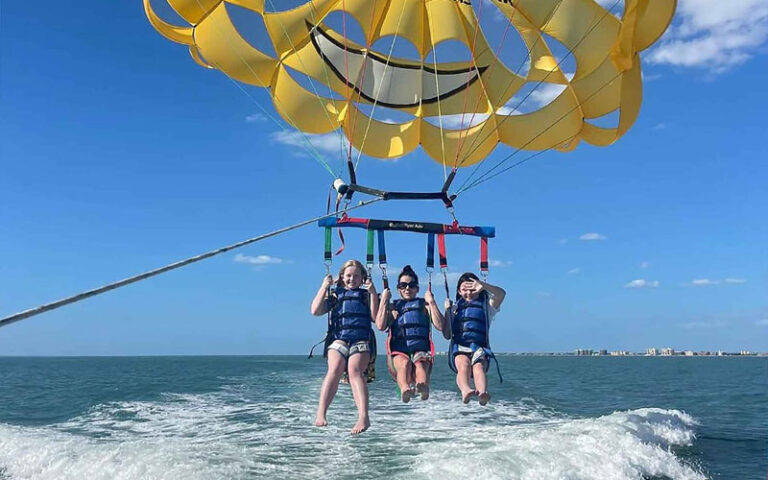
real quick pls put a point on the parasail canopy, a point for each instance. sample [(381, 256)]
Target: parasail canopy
[(607, 76)]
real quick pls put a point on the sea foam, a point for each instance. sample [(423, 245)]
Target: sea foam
[(234, 434)]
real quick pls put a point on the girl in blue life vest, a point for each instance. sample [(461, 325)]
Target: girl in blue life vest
[(409, 345), (467, 325), (350, 342)]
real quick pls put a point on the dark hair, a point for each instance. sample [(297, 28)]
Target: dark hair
[(407, 270), (465, 277)]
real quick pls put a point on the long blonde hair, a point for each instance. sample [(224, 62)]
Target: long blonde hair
[(351, 263)]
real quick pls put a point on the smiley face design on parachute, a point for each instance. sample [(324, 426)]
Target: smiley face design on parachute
[(416, 83), (321, 81)]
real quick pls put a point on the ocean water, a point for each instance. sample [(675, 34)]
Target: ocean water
[(251, 418)]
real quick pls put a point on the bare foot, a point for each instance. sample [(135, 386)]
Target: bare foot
[(467, 396), (484, 398), (361, 425), (423, 390), (407, 394), (321, 422)]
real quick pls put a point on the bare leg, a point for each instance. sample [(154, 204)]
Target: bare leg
[(355, 369), (478, 371), (401, 368), (462, 378), (422, 378), (336, 366)]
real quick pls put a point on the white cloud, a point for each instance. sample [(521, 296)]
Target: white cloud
[(712, 324), (255, 117), (573, 271), (640, 283), (713, 34), (660, 126), (458, 121), (328, 142), (649, 77), (545, 94), (258, 260), (762, 323), (499, 263), (592, 236), (735, 280), (703, 282), (643, 265)]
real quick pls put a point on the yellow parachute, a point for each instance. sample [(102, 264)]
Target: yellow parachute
[(605, 49)]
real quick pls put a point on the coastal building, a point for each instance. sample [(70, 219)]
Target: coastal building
[(619, 353), (689, 353), (585, 352), (651, 352), (667, 352)]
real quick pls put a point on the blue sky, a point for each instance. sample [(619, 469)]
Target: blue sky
[(119, 154)]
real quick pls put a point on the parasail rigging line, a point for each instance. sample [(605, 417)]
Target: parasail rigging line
[(112, 286), (487, 175), (309, 77), (538, 84), (315, 22), (490, 73), (359, 89), (463, 136), (308, 146), (527, 58), (381, 84), (437, 89)]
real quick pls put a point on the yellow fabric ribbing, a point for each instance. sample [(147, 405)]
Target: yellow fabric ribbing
[(605, 50)]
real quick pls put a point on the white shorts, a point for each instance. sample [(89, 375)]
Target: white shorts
[(346, 351), (477, 357)]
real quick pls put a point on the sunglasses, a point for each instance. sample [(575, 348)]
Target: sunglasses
[(404, 285)]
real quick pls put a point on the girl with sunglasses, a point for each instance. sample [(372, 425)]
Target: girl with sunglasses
[(350, 344), (409, 344), (467, 327)]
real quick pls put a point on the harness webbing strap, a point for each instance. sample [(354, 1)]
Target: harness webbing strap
[(383, 258), (443, 262), (441, 250), (328, 253), (369, 250), (430, 251), (382, 248), (484, 254)]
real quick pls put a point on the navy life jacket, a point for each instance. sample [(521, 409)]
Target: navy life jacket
[(351, 316), (409, 332), (470, 323)]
